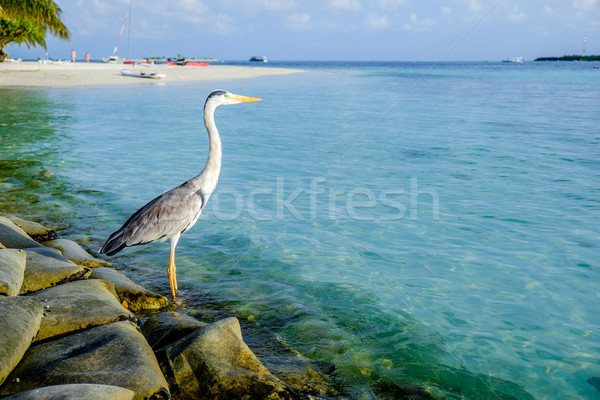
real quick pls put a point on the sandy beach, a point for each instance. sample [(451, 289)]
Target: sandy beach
[(35, 74)]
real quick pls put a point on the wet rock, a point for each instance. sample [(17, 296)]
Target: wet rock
[(165, 328), (35, 230), (78, 305), (14, 237), (115, 354), (12, 271), (46, 267), (133, 296), (75, 391), (20, 319), (76, 253), (215, 363)]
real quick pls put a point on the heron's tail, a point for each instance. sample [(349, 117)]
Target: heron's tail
[(115, 243)]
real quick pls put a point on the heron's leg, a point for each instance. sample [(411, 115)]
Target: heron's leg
[(171, 270)]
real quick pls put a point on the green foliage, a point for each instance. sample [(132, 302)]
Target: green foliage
[(28, 21)]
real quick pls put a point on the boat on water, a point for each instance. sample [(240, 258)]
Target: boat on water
[(518, 60), (188, 63), (259, 58), (142, 74)]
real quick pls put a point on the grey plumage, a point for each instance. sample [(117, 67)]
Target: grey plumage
[(176, 211)]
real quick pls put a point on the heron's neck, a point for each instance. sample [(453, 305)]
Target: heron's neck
[(210, 174)]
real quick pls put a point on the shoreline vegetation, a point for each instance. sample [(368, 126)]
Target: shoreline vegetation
[(35, 74), (570, 58)]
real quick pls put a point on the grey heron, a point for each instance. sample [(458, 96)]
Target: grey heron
[(177, 210)]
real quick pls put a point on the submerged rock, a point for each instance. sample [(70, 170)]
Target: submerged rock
[(46, 267), (20, 319), (215, 363), (78, 305), (12, 271), (133, 296), (75, 391), (76, 253), (14, 237), (165, 328), (115, 354), (35, 230)]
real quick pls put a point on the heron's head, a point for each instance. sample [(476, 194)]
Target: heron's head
[(223, 97)]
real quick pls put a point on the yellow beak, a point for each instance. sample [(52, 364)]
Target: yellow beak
[(239, 97)]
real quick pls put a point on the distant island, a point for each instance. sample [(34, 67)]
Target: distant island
[(570, 58)]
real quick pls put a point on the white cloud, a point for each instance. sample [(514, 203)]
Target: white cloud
[(351, 5), (373, 21), (391, 4), (585, 4), (446, 10), (516, 15), (298, 21), (474, 5), (416, 24), (252, 7)]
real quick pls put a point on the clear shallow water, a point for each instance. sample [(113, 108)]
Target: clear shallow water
[(407, 223)]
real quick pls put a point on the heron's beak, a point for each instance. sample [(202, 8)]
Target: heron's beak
[(239, 97)]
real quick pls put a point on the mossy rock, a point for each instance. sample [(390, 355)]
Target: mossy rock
[(12, 271), (46, 267), (114, 354), (164, 328), (74, 252), (14, 237), (20, 319), (35, 230), (75, 391), (133, 296), (78, 305), (214, 363)]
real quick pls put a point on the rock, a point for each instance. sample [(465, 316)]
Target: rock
[(34, 229), (78, 305), (165, 328), (115, 354), (76, 253), (14, 237), (20, 319), (46, 267), (75, 391), (215, 363), (12, 271), (133, 296)]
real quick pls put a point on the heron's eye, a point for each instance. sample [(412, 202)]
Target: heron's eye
[(227, 96)]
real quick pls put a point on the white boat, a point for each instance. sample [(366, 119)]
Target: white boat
[(142, 74), (259, 58), (518, 60)]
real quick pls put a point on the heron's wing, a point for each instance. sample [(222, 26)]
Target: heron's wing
[(170, 213)]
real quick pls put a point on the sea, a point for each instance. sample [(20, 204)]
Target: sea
[(412, 223)]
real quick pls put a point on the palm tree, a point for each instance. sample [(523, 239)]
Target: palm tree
[(28, 21)]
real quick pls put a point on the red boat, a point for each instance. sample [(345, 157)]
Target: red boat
[(188, 63)]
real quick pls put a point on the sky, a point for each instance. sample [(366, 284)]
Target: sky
[(397, 30)]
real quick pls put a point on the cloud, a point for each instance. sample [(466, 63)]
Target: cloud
[(474, 5), (252, 7), (516, 15), (585, 4), (416, 24), (350, 5), (446, 10), (392, 4), (373, 21), (298, 21)]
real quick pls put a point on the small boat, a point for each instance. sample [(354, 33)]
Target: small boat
[(259, 58), (132, 62), (518, 60), (187, 63), (142, 74)]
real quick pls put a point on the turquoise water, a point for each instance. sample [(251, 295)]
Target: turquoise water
[(408, 222)]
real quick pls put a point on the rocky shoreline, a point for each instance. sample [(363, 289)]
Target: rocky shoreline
[(73, 327)]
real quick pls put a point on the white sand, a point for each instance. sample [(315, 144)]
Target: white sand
[(35, 74)]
